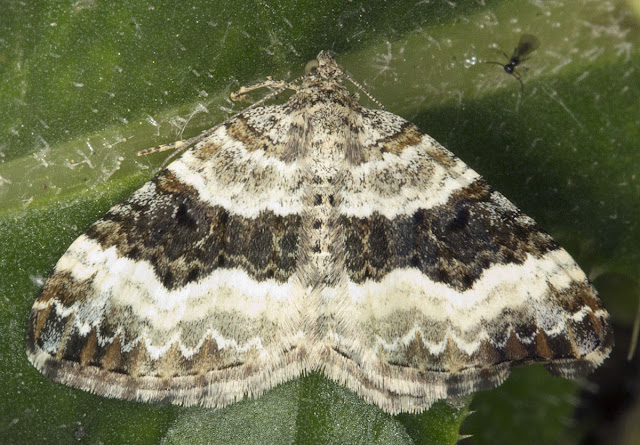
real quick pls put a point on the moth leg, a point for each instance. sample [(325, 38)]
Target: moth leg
[(241, 94), (278, 85), (164, 147)]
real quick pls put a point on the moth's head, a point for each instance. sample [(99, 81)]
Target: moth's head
[(325, 58), (323, 67)]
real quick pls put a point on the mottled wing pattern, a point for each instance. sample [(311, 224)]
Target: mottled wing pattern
[(449, 284), (317, 235), (184, 292)]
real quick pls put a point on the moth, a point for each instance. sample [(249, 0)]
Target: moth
[(313, 235)]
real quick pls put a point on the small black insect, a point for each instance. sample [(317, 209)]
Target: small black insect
[(527, 44)]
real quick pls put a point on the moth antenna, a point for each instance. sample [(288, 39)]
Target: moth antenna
[(364, 90), (182, 145)]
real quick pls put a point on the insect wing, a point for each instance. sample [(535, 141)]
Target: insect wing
[(527, 44)]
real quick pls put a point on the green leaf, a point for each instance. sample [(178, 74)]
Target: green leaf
[(87, 84), (313, 410)]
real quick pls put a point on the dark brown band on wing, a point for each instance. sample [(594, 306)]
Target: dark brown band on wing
[(453, 243), (185, 239)]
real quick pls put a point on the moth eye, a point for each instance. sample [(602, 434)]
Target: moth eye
[(311, 66)]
